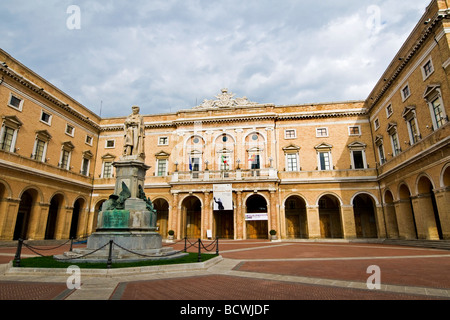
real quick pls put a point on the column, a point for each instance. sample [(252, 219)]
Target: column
[(348, 222), (38, 221), (239, 217), (312, 215), (273, 212), (8, 217), (425, 220), (173, 215), (380, 221), (206, 214), (442, 202), (405, 219)]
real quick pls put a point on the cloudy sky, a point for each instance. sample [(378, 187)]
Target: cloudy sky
[(167, 55)]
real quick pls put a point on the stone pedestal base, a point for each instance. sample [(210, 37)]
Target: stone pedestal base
[(128, 247)]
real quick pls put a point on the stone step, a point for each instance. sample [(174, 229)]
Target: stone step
[(435, 244)]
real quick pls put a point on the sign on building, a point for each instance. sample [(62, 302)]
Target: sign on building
[(223, 197)]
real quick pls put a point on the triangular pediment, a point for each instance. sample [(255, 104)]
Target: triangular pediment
[(323, 146), (43, 135), (12, 121), (108, 156), (357, 145), (162, 155), (68, 145), (291, 148), (430, 89)]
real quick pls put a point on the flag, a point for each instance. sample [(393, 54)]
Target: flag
[(251, 158), (224, 160), (190, 164)]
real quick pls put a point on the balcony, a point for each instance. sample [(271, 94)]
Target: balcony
[(317, 176), (225, 175)]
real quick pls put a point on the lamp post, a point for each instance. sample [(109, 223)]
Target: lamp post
[(238, 163)]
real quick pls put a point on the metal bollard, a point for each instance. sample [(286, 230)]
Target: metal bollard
[(199, 250), (217, 245), (18, 253), (109, 263)]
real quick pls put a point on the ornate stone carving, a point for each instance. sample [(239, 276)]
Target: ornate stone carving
[(225, 100)]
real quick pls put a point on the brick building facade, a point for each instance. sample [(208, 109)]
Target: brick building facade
[(378, 168)]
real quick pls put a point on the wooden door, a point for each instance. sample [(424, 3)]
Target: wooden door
[(257, 229), (293, 226), (193, 224), (325, 226), (224, 225)]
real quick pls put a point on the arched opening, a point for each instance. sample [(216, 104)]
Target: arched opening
[(162, 213), (27, 202), (427, 200), (365, 221), (76, 229), (405, 216), (330, 217), (446, 177), (55, 206), (97, 209), (192, 216), (295, 216), (256, 217), (390, 216)]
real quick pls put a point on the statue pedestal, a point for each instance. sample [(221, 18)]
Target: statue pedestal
[(128, 219)]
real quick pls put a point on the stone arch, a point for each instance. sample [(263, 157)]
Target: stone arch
[(330, 216), (5, 189), (426, 207), (57, 203), (445, 176), (78, 219), (162, 206), (256, 208), (328, 193), (295, 217), (364, 211), (29, 200), (390, 215), (405, 213), (191, 217)]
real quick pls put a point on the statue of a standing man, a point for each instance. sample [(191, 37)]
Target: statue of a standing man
[(134, 131)]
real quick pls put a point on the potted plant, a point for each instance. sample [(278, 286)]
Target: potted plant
[(273, 234), (171, 235)]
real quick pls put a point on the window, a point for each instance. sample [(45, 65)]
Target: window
[(70, 130), (438, 112), (224, 162), (107, 169), (389, 110), (406, 92), (392, 130), (358, 155), (85, 167), (46, 118), (380, 149), (162, 167), (66, 154), (324, 160), (433, 96), (321, 132), (292, 162), (7, 139), (39, 152), (8, 133), (290, 134), (15, 102), (110, 144), (65, 157), (381, 154), (40, 145), (427, 69), (163, 141), (358, 159), (376, 124), (409, 114), (354, 131), (89, 140)]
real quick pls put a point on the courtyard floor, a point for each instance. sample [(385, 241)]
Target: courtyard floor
[(253, 270)]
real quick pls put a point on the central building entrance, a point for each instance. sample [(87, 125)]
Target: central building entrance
[(192, 216), (257, 217)]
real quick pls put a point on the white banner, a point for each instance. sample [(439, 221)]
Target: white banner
[(223, 197), (256, 216)]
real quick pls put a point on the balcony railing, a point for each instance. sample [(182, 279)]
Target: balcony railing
[(225, 175)]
